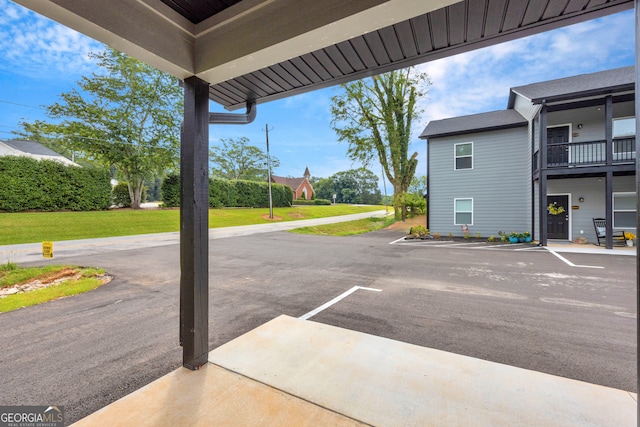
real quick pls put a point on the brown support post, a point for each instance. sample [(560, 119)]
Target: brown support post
[(608, 134), (542, 190), (194, 225)]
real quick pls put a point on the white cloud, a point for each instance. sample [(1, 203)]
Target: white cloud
[(479, 81), (37, 47)]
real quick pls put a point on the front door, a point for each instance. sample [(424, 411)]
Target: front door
[(558, 146), (558, 217)]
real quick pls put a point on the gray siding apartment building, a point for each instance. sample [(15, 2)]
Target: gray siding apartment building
[(571, 140)]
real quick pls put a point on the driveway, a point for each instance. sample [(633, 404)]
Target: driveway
[(527, 309)]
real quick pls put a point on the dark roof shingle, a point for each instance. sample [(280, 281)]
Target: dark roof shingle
[(599, 83), (31, 147), (502, 119)]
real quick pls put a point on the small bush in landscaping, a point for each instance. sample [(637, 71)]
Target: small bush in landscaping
[(419, 231)]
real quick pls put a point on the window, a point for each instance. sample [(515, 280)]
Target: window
[(463, 211), (464, 156), (624, 210), (624, 143), (625, 126)]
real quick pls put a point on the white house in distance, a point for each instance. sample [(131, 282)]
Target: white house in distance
[(32, 149), (560, 156)]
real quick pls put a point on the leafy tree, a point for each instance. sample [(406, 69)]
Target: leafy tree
[(375, 116), (127, 116), (236, 159), (418, 185), (415, 197), (351, 186)]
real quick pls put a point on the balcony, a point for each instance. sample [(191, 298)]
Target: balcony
[(590, 153)]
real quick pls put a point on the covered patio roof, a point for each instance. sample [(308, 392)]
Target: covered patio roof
[(260, 50)]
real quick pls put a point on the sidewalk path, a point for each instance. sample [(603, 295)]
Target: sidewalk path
[(32, 252)]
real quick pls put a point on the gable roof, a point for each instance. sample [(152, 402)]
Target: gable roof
[(580, 86), (294, 183), (32, 149), (503, 119)]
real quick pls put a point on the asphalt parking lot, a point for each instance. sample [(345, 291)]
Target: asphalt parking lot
[(522, 308)]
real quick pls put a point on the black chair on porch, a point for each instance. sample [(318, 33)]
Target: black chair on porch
[(600, 224)]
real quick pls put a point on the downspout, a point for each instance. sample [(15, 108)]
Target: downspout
[(233, 118)]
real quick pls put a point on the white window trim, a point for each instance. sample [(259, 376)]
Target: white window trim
[(455, 211), (614, 210), (455, 156)]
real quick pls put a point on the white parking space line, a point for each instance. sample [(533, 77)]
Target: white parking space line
[(569, 263), (335, 300), (396, 241)]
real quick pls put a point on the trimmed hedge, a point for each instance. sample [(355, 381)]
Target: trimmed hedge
[(312, 202), (231, 193), (170, 191), (46, 185)]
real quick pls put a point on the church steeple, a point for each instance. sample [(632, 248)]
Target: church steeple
[(307, 174)]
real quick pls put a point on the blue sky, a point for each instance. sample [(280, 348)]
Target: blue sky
[(40, 59)]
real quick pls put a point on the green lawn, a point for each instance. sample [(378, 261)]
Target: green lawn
[(10, 275), (34, 227), (348, 228)]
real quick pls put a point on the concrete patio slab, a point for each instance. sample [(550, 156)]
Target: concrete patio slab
[(293, 372), (212, 396), (388, 383)]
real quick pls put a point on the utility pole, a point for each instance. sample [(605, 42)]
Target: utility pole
[(269, 173)]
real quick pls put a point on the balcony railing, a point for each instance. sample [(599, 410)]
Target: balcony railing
[(591, 153)]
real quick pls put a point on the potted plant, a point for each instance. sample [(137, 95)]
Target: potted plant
[(513, 237), (629, 237), (527, 237)]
